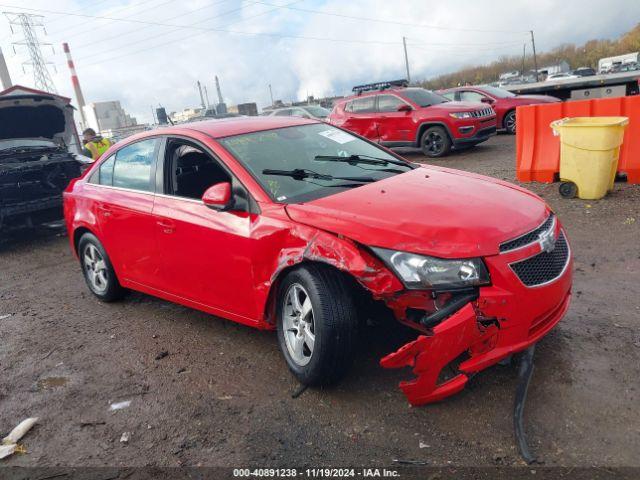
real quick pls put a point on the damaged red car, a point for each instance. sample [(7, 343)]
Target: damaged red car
[(297, 226)]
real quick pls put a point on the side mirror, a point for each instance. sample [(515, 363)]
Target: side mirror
[(404, 108), (218, 196), (486, 100), (304, 115)]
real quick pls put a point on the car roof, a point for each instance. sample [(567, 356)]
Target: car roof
[(227, 127)]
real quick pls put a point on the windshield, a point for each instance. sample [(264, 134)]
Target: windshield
[(26, 143), (296, 148), (318, 112), (422, 97), (497, 92)]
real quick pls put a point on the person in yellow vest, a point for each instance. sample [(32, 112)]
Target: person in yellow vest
[(94, 145)]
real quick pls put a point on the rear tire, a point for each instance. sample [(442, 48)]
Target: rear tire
[(435, 142), (97, 269), (509, 122), (568, 190), (316, 336)]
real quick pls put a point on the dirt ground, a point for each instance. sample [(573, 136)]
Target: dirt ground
[(222, 394)]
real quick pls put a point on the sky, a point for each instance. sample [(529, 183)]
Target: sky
[(147, 53)]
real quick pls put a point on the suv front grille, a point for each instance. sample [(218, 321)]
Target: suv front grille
[(485, 112), (545, 266), (527, 238)]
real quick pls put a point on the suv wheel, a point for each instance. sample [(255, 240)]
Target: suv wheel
[(98, 271), (317, 324), (510, 122), (435, 142)]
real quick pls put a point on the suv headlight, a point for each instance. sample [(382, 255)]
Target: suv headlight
[(461, 115), (420, 272)]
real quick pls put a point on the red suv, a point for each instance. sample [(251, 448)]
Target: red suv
[(396, 116), (293, 225), (502, 101)]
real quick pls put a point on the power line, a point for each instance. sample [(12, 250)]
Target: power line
[(210, 29), (104, 40), (392, 22), (75, 34), (164, 34)]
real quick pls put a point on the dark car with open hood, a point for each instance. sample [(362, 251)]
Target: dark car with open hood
[(38, 159)]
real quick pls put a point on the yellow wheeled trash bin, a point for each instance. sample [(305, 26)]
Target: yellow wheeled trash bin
[(589, 150)]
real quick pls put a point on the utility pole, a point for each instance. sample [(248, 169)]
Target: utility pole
[(28, 23), (524, 53), (271, 94), (5, 78), (535, 60), (153, 114), (406, 58)]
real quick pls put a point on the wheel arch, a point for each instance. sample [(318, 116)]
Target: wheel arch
[(77, 235), (425, 125)]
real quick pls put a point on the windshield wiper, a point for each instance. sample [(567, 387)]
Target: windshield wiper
[(361, 159), (301, 174)]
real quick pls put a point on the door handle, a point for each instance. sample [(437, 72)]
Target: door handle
[(167, 226)]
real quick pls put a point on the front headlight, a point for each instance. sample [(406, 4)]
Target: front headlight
[(461, 115), (420, 272)]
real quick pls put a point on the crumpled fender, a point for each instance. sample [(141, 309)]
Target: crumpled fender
[(298, 243), (343, 254), (429, 354)]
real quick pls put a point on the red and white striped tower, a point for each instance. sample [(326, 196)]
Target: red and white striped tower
[(76, 84)]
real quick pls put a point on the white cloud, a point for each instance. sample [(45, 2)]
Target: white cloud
[(143, 65)]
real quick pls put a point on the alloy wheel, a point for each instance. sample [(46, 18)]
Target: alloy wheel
[(298, 324), (510, 123), (95, 268), (435, 143)]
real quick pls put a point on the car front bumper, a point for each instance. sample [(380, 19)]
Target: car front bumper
[(507, 317), (479, 136)]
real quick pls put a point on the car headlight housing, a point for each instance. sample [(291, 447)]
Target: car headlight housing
[(422, 272), (461, 115)]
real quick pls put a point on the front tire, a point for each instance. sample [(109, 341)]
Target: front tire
[(435, 142), (317, 324), (509, 122), (97, 269)]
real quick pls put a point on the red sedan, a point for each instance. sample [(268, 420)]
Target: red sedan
[(502, 101), (297, 226)]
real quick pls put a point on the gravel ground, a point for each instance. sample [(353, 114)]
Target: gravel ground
[(221, 395)]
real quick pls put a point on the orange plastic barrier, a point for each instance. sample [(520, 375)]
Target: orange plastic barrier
[(538, 151)]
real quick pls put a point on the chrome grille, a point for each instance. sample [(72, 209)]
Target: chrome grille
[(485, 112), (527, 238), (545, 266)]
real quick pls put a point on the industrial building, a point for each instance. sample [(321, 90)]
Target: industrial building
[(103, 116)]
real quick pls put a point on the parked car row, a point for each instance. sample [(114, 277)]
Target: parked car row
[(396, 115)]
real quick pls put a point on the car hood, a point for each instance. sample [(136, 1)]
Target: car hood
[(430, 210), (459, 106), (36, 117), (537, 98)]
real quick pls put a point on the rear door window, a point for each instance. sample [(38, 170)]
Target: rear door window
[(134, 164), (363, 105), (283, 113), (389, 103)]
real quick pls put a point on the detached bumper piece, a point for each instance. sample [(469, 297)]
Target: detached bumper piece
[(482, 339), (428, 355)]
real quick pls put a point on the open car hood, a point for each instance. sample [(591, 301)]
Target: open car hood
[(430, 210), (37, 116)]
